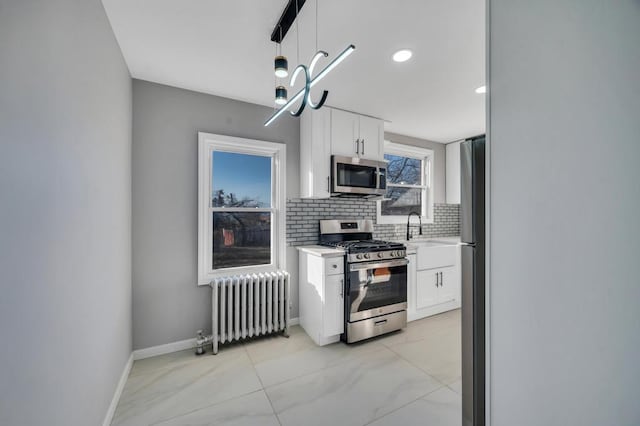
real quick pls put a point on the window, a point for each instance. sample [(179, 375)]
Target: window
[(241, 206), (409, 184)]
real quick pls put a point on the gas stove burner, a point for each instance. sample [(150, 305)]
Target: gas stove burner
[(355, 237), (356, 246)]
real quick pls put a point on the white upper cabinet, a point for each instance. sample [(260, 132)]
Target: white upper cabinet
[(344, 133), (453, 173), (371, 138), (328, 132), (354, 135), (315, 153)]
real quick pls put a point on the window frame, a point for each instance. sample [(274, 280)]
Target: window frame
[(427, 156), (207, 144)]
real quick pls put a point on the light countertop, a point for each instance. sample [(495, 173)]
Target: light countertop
[(412, 245), (318, 250)]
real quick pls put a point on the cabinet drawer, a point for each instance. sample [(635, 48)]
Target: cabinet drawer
[(436, 257), (334, 266)]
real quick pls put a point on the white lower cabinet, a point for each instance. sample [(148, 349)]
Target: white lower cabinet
[(436, 286), (321, 296), (427, 288), (334, 305), (433, 280)]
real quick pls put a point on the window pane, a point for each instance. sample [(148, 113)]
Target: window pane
[(240, 180), (403, 170), (402, 201), (241, 239)]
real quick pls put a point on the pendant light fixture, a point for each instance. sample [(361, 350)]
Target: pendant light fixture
[(280, 63), (281, 70), (288, 18), (281, 66), (281, 95)]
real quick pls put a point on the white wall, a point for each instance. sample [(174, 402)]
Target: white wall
[(168, 305), (564, 139), (65, 213)]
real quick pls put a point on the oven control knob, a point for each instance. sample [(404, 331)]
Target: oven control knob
[(392, 254), (380, 255), (358, 256), (366, 255)]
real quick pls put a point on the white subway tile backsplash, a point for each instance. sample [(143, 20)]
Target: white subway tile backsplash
[(303, 216)]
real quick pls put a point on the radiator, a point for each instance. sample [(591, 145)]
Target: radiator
[(245, 306)]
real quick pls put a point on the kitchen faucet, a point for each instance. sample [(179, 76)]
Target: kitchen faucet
[(408, 225)]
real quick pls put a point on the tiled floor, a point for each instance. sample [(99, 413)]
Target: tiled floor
[(410, 377)]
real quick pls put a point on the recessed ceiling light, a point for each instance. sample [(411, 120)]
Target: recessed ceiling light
[(481, 89), (402, 55)]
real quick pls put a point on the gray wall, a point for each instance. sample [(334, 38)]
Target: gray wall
[(439, 152), (65, 213), (167, 304), (565, 202)]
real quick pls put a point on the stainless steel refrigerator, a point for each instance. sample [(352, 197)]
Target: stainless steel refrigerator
[(472, 232)]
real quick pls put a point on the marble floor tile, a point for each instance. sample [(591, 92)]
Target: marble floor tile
[(424, 328), (392, 379), (440, 408), (439, 354), (174, 359), (351, 393), (253, 409), (309, 360), (163, 393), (271, 347)]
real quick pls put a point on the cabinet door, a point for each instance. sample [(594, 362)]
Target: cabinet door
[(427, 288), (333, 310), (321, 154), (453, 173), (344, 132), (315, 151), (371, 138), (449, 285)]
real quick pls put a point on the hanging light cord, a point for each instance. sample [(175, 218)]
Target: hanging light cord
[(297, 35)]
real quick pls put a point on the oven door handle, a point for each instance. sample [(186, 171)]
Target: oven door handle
[(374, 265)]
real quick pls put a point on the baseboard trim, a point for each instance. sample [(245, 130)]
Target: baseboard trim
[(116, 395), (182, 345), (167, 348)]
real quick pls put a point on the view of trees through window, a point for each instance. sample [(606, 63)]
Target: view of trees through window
[(405, 186), (241, 182)]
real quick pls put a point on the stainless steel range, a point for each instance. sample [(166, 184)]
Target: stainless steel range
[(375, 279)]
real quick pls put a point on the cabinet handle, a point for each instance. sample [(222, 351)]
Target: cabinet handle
[(357, 146), (363, 146), (328, 185), (341, 289), (441, 279), (436, 279)]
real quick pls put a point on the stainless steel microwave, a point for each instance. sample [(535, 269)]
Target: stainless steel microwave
[(358, 177)]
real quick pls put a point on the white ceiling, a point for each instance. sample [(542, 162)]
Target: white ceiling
[(224, 48)]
